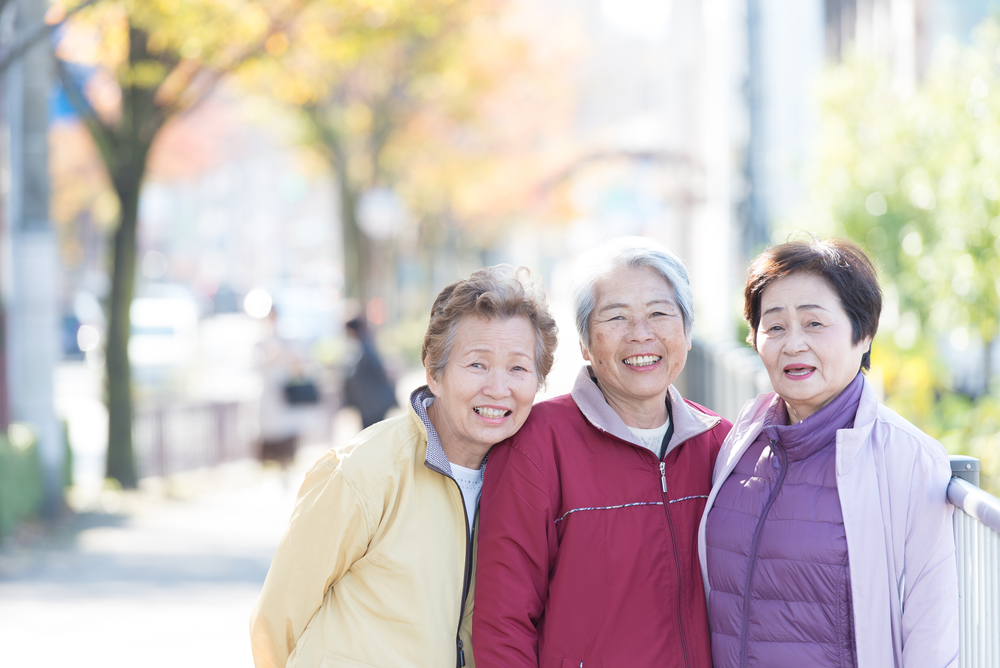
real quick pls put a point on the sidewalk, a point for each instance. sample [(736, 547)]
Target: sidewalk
[(165, 580)]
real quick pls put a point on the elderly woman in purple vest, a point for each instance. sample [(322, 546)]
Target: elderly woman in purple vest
[(827, 537)]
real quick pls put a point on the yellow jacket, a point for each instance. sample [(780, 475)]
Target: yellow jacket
[(373, 566)]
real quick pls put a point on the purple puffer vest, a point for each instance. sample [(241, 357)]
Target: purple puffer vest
[(781, 590)]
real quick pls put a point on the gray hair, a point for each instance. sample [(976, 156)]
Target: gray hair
[(634, 253), (499, 292)]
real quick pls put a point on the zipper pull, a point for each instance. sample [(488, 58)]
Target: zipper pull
[(663, 476), (461, 653)]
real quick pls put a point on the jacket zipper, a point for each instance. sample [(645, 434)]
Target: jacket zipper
[(677, 562), (754, 544), (465, 578)]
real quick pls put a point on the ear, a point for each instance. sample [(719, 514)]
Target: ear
[(431, 383), (584, 352)]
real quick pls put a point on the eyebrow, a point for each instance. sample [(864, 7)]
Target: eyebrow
[(611, 307), (491, 351), (801, 307)]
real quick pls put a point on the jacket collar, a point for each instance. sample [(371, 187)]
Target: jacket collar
[(688, 422), (811, 434), (435, 459), (850, 442)]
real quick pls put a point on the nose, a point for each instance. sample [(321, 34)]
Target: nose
[(640, 330), (796, 341), (497, 383)]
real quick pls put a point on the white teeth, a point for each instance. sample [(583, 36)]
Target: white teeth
[(798, 372), (642, 360), (490, 412)]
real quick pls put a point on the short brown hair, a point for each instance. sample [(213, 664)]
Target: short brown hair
[(840, 262), (500, 292)]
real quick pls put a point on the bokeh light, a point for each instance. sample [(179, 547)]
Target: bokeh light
[(257, 303)]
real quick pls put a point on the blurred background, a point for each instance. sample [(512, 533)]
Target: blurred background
[(197, 195)]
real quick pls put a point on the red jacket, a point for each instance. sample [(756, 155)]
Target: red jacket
[(583, 558)]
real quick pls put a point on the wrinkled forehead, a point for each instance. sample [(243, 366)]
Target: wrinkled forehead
[(624, 284)]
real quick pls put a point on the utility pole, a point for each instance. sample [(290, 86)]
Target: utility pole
[(31, 264)]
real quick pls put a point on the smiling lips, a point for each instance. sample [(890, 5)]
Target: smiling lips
[(642, 360), (798, 371), (488, 412)]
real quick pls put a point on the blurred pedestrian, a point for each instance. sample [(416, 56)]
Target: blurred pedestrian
[(376, 566), (280, 419), (588, 544), (367, 386), (827, 539)]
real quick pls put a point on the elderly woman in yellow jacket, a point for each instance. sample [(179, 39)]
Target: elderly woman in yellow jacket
[(375, 568)]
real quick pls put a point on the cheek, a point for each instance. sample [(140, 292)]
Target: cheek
[(524, 394)]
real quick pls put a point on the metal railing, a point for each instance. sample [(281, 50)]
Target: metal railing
[(977, 546), (174, 438)]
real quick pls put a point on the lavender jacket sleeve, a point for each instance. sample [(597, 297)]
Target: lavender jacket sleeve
[(893, 485)]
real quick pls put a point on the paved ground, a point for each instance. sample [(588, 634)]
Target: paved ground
[(160, 580)]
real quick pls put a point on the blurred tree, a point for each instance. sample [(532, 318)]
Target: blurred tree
[(389, 90), (915, 177), (406, 96), (129, 66)]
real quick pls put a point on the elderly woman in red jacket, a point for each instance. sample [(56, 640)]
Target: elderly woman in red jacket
[(587, 547)]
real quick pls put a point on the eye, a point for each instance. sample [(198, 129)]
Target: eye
[(814, 323), (775, 328), (477, 365), (519, 368)]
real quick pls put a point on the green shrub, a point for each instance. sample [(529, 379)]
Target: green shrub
[(20, 481)]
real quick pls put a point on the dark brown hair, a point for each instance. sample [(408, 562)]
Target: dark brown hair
[(840, 262), (498, 292)]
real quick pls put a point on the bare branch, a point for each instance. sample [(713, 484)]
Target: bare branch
[(103, 136), (203, 80), (9, 55)]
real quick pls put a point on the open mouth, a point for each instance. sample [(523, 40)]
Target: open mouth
[(642, 360), (799, 371), (491, 412)]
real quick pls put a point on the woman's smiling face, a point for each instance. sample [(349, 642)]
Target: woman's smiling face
[(487, 387), (805, 341), (638, 345)]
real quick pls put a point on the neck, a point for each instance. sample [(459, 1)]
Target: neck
[(795, 416)]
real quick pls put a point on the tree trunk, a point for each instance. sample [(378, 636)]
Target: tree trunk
[(121, 456), (355, 244)]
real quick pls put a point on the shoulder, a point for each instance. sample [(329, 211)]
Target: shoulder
[(368, 458), (542, 434), (695, 406), (752, 414), (720, 425), (900, 438), (548, 415), (746, 426)]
